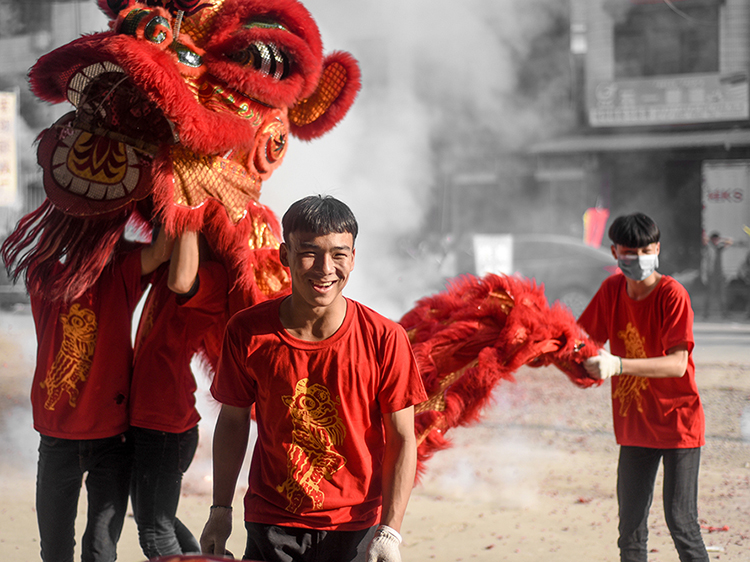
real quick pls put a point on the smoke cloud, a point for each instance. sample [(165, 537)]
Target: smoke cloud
[(432, 69)]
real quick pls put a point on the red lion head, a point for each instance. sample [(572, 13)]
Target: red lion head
[(182, 109)]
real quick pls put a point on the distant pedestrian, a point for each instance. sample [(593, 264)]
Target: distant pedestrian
[(712, 275), (743, 278)]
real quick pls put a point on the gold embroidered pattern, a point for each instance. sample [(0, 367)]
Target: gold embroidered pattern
[(311, 455), (199, 178), (73, 360), (629, 388), (436, 400)]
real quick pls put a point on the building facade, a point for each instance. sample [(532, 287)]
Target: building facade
[(28, 30), (664, 121)]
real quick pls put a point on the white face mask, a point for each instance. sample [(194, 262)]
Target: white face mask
[(638, 268)]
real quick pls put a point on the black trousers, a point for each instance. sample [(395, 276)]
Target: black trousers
[(62, 466), (160, 459), (636, 476), (272, 543)]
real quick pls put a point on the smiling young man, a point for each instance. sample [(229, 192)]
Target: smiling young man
[(658, 417), (334, 386)]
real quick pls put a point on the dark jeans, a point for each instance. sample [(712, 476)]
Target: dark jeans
[(636, 475), (60, 470), (271, 543), (159, 462)]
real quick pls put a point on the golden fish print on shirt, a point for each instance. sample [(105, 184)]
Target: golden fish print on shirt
[(73, 360), (311, 456), (629, 388)]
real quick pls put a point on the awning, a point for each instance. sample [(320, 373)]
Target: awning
[(629, 142)]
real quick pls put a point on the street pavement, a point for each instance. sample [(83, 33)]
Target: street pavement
[(722, 342)]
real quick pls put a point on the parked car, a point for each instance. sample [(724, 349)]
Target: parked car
[(570, 271)]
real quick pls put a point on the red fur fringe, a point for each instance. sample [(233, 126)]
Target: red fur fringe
[(46, 237), (475, 334), (155, 73), (303, 44), (339, 108)]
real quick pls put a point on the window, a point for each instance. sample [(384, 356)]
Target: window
[(667, 37), (20, 17)]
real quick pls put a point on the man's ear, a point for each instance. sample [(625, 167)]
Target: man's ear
[(284, 254), (614, 251), (339, 84)]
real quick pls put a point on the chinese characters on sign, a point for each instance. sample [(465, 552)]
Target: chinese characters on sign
[(8, 161), (693, 98)]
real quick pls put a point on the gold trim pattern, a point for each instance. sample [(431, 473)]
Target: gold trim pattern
[(311, 456), (73, 360)]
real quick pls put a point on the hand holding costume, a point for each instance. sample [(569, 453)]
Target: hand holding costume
[(604, 365)]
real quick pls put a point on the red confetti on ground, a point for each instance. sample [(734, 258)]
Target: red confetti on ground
[(583, 500), (712, 529)]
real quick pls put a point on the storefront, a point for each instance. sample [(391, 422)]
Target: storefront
[(690, 182)]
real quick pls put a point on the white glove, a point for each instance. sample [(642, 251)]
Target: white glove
[(384, 545), (604, 365)]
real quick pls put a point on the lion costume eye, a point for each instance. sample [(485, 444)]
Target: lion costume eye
[(264, 57)]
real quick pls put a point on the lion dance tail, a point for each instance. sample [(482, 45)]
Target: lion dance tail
[(478, 332)]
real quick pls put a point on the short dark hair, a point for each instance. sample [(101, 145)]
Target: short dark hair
[(319, 214), (636, 230)]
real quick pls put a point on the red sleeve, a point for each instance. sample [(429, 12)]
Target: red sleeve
[(401, 384), (677, 314), (593, 318), (212, 289), (135, 283), (233, 384)]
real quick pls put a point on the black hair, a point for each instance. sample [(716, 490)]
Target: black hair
[(636, 230), (319, 214)]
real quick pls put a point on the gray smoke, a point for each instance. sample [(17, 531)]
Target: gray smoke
[(427, 66)]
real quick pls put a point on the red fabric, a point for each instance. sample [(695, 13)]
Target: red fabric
[(649, 412), (171, 331), (46, 238), (84, 356), (478, 332), (323, 401)]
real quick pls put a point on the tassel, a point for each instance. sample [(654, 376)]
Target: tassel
[(60, 256)]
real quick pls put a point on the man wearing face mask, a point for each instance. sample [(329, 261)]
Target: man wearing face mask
[(647, 319)]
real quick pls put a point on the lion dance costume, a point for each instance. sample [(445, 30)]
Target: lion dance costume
[(182, 110)]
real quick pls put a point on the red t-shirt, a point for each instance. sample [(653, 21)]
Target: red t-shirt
[(662, 413), (319, 452), (162, 395), (84, 356)]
